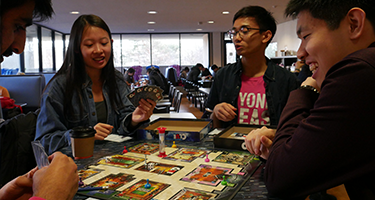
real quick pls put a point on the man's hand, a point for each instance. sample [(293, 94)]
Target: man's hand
[(225, 112), (312, 82), (259, 141), (57, 181), (20, 186), (102, 130)]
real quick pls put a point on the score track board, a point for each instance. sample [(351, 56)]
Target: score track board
[(184, 173)]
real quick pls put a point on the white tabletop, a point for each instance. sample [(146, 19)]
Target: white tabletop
[(185, 115)]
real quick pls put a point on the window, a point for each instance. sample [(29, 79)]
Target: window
[(11, 65), (31, 51), (47, 55), (129, 50), (194, 49), (59, 50), (135, 50), (165, 49), (67, 37), (116, 46), (231, 54)]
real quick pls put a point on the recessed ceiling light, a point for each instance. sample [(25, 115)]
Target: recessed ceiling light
[(225, 12), (151, 22), (74, 12), (211, 22), (199, 29), (150, 29), (152, 12)]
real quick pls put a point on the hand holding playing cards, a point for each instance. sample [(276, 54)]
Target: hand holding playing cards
[(57, 181), (143, 111)]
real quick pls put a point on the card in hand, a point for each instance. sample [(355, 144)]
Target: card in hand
[(145, 92)]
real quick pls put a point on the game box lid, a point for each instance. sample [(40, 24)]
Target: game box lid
[(233, 137), (192, 130)]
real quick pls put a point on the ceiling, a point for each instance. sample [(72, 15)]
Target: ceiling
[(130, 16)]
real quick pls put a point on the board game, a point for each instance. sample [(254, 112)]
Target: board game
[(185, 173)]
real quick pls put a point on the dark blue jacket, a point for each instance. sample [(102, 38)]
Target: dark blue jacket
[(279, 83)]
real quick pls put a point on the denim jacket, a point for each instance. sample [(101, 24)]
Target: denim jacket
[(279, 83), (53, 126)]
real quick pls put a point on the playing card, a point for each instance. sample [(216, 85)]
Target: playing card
[(145, 92)]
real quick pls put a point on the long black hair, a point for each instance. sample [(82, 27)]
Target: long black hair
[(331, 11), (43, 8), (74, 66)]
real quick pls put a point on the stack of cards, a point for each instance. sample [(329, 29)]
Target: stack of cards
[(152, 92)]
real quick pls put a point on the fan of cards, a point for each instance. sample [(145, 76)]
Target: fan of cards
[(152, 92)]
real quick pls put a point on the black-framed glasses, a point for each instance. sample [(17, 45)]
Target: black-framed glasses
[(242, 32)]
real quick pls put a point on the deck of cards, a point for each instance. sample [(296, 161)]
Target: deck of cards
[(152, 92)]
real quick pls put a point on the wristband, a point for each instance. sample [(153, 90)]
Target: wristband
[(36, 198), (309, 87)]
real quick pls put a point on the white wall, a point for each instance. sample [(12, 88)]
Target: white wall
[(216, 49), (286, 36)]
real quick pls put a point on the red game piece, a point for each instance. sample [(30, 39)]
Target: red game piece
[(207, 159), (125, 151)]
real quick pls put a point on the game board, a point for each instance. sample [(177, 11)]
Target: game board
[(183, 174)]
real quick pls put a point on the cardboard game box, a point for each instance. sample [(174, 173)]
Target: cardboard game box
[(233, 137), (192, 130)]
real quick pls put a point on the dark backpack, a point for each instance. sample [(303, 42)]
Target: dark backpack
[(16, 153)]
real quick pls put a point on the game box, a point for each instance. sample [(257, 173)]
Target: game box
[(233, 137), (192, 130)]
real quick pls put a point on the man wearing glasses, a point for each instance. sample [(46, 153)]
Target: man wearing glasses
[(253, 90)]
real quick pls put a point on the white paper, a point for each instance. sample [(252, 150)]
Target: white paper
[(117, 138)]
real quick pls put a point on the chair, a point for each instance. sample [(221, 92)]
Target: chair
[(190, 88), (178, 103), (25, 89)]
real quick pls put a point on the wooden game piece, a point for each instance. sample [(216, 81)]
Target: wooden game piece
[(223, 182), (162, 142), (80, 183), (125, 151), (174, 145), (147, 185), (207, 159)]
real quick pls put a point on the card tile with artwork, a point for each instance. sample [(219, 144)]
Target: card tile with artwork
[(86, 173), (160, 168), (186, 154), (123, 161), (190, 193), (236, 157), (111, 182), (139, 191), (145, 148), (207, 174)]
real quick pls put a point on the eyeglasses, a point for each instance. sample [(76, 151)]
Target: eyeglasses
[(243, 31)]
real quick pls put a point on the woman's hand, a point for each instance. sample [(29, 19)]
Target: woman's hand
[(143, 111), (102, 130)]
